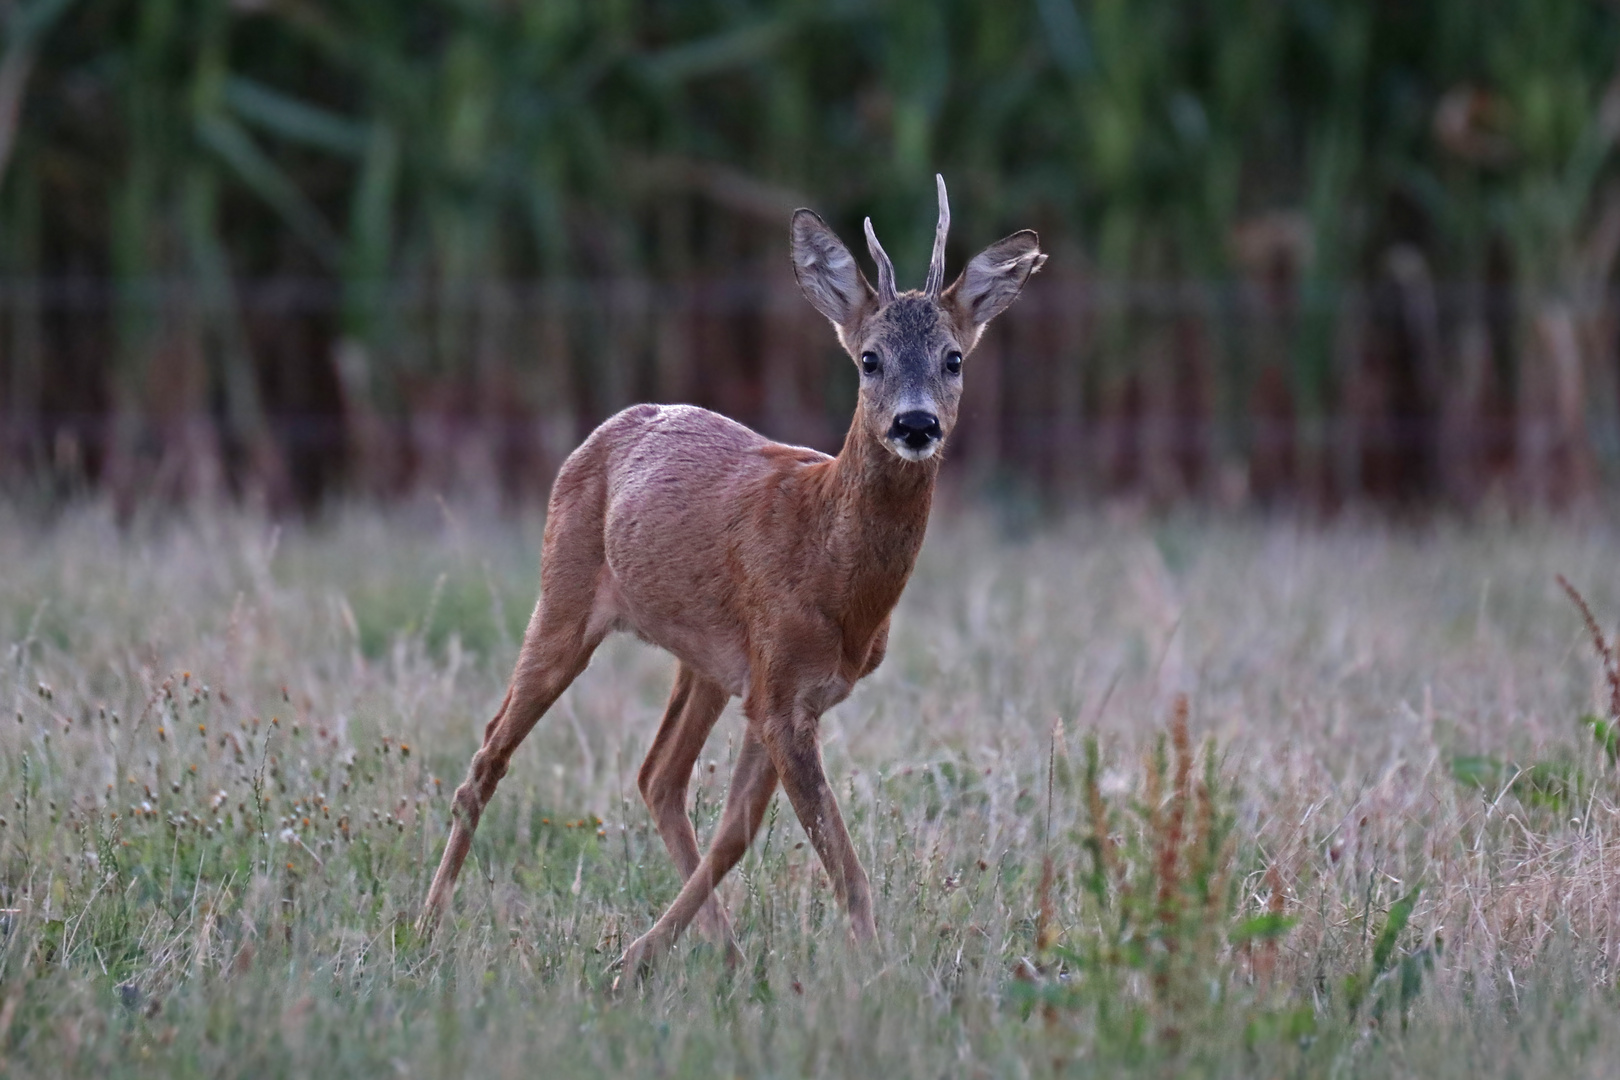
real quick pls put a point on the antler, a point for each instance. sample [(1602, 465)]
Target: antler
[(936, 265), (886, 292)]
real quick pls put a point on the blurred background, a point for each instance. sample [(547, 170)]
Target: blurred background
[(1303, 251)]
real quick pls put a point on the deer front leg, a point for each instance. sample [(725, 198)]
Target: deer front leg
[(695, 703), (753, 782), (794, 745)]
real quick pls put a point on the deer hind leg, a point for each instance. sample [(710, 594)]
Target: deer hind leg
[(695, 704), (557, 646), (753, 782)]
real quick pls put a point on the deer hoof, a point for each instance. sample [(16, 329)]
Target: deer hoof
[(427, 922), (635, 962)]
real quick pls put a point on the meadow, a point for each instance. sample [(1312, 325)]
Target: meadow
[(1178, 796)]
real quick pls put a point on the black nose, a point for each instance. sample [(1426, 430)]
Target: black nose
[(916, 429)]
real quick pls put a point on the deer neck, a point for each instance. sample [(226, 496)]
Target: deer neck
[(879, 505)]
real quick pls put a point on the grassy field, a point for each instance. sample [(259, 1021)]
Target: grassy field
[(1386, 840)]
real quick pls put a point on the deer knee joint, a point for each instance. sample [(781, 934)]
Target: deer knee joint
[(474, 792), (647, 783), (486, 771), (665, 800), (467, 806)]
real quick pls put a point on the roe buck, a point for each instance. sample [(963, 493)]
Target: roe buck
[(768, 570)]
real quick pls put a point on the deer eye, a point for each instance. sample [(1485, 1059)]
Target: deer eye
[(953, 363), (869, 363)]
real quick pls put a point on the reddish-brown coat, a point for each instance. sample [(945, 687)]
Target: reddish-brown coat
[(769, 571)]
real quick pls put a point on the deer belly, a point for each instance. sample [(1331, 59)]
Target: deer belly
[(718, 657)]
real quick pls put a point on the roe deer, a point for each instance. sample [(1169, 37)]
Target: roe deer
[(769, 571)]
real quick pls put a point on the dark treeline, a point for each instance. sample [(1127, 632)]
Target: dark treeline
[(1301, 249)]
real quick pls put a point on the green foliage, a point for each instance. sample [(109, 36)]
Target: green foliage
[(1394, 977), (1275, 931), (405, 157), (1552, 785), (1549, 784), (1605, 734), (1159, 955), (1151, 127)]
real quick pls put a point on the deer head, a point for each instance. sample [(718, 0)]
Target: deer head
[(909, 346)]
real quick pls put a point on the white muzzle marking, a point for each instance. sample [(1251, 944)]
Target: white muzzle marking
[(912, 453)]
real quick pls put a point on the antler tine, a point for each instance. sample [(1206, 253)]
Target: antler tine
[(936, 265), (886, 292)]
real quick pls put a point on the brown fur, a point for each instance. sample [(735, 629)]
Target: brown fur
[(769, 571)]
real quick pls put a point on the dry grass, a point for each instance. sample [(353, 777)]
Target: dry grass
[(1379, 836)]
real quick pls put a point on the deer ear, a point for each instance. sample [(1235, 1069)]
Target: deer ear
[(828, 273), (993, 280)]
